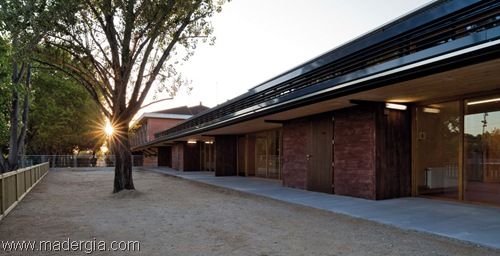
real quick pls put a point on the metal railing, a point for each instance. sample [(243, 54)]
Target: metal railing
[(56, 161)]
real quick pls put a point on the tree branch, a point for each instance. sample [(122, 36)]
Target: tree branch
[(185, 22), (87, 85)]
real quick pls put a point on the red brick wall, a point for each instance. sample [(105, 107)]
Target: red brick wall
[(294, 169), (150, 161), (160, 124), (354, 152)]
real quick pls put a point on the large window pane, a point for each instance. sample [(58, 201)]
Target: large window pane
[(273, 171), (482, 150), (267, 154), (261, 155), (438, 131)]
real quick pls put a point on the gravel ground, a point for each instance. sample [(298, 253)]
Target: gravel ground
[(76, 210)]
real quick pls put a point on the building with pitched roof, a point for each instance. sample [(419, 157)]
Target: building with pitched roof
[(148, 124)]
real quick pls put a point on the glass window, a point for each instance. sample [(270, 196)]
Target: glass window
[(261, 155), (267, 154), (438, 140), (482, 150)]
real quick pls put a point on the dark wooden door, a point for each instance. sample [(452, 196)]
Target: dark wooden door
[(319, 159), (165, 156)]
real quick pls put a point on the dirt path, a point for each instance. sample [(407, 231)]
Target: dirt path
[(172, 216)]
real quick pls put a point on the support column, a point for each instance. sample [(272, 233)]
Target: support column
[(178, 156)]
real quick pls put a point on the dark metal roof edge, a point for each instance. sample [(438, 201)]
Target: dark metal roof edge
[(380, 29), (384, 31), (397, 26)]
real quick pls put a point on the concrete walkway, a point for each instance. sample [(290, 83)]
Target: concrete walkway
[(472, 223)]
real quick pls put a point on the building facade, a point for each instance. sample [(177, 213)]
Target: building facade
[(409, 109)]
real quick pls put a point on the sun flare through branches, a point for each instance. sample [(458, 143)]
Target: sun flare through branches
[(109, 129)]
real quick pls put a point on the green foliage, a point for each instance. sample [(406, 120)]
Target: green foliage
[(5, 92), (119, 50), (63, 116)]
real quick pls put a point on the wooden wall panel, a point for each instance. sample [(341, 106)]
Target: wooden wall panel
[(242, 149), (192, 156), (226, 148), (165, 156), (393, 162), (250, 156), (319, 160)]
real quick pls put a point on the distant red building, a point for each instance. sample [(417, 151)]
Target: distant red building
[(149, 123)]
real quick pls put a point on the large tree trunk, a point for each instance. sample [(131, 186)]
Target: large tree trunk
[(16, 141), (123, 159)]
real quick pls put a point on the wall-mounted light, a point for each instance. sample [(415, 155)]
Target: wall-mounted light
[(432, 110), (396, 106), (209, 142), (191, 141)]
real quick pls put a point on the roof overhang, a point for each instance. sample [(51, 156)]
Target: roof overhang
[(420, 83), (461, 60)]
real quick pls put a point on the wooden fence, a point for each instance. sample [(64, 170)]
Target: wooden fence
[(16, 184)]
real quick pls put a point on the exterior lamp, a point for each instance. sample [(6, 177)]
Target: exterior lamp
[(395, 106), (432, 110)]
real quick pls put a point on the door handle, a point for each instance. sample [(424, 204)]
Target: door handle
[(308, 156)]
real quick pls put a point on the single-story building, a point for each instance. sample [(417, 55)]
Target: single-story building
[(411, 108)]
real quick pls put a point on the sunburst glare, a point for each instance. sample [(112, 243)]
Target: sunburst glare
[(109, 129)]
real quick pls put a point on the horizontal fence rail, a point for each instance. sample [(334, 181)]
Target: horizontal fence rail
[(57, 161), (16, 184)]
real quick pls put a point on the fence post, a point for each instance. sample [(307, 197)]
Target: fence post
[(17, 184), (2, 204)]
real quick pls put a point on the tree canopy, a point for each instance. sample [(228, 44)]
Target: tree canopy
[(18, 37), (4, 94), (63, 118), (118, 50)]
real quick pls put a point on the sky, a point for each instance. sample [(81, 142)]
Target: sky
[(260, 39)]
